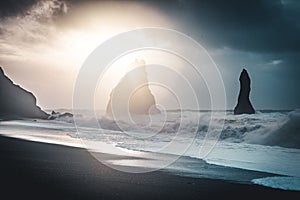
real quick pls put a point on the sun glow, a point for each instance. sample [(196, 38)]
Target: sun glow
[(99, 22), (60, 46)]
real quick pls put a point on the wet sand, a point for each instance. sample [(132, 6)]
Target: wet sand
[(33, 170)]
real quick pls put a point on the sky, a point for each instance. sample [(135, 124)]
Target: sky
[(43, 43)]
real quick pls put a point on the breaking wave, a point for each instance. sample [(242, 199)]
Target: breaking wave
[(273, 128)]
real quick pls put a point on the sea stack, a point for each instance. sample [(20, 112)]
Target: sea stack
[(244, 105), (132, 95), (16, 102)]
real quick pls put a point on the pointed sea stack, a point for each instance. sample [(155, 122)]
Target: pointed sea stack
[(244, 105), (132, 95), (16, 103)]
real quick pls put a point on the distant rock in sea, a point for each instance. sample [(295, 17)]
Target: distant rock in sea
[(244, 105), (16, 102), (55, 115), (132, 95)]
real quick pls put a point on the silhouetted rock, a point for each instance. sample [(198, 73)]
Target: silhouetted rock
[(132, 94), (244, 105), (16, 102), (55, 115)]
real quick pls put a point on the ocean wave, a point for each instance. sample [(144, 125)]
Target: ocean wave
[(288, 135), (273, 128)]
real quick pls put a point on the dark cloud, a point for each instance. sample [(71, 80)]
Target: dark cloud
[(10, 8), (257, 25)]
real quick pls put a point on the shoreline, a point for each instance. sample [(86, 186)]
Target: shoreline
[(46, 171)]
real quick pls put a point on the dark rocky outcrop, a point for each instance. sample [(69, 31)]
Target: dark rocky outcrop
[(244, 105), (132, 94), (16, 102), (55, 115)]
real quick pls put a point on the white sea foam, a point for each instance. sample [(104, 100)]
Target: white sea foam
[(274, 129), (285, 183)]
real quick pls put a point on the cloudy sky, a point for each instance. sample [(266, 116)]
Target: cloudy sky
[(43, 43)]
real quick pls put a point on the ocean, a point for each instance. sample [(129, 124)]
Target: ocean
[(263, 148)]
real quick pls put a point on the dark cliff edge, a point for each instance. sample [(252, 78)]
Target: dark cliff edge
[(244, 105), (16, 102)]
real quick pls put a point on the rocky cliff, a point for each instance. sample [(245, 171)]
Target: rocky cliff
[(132, 95), (16, 102), (244, 105)]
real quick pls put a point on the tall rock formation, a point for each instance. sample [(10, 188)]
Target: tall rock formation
[(244, 105), (15, 102), (132, 95)]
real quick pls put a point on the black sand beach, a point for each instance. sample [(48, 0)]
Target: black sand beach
[(31, 170)]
